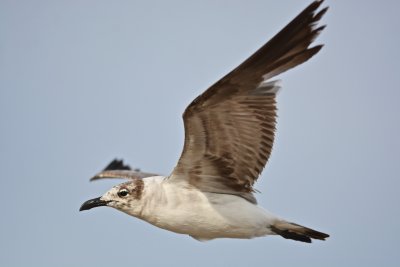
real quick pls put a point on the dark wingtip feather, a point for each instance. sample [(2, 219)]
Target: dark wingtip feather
[(297, 232), (314, 5), (291, 235), (117, 165), (315, 49), (320, 14), (293, 40), (310, 9), (316, 234)]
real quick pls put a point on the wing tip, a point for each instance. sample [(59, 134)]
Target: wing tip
[(297, 232), (117, 164)]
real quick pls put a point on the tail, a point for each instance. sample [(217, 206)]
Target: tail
[(296, 232)]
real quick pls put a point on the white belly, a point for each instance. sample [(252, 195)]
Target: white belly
[(208, 215)]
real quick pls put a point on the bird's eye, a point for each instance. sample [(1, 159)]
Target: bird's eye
[(123, 192)]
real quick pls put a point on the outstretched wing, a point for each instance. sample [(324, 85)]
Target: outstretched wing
[(118, 170), (229, 129)]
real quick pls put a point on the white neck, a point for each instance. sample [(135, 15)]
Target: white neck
[(153, 196)]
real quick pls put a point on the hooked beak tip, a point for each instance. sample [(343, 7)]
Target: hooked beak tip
[(92, 203)]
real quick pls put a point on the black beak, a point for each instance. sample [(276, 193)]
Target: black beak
[(96, 202)]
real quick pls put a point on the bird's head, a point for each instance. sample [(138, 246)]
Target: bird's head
[(124, 197)]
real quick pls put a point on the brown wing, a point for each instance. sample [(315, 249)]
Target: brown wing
[(229, 129)]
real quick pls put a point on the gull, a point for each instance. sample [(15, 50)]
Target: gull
[(229, 133)]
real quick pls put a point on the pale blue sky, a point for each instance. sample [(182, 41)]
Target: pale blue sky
[(83, 82)]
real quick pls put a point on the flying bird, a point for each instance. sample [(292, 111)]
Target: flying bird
[(229, 133)]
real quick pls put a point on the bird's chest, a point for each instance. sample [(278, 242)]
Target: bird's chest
[(186, 213), (203, 215)]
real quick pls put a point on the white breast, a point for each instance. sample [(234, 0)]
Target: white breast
[(202, 215)]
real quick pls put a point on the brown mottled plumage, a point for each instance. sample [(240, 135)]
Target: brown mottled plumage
[(138, 191), (229, 129), (229, 134)]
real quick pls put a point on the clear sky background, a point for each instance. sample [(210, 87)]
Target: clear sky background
[(83, 82)]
